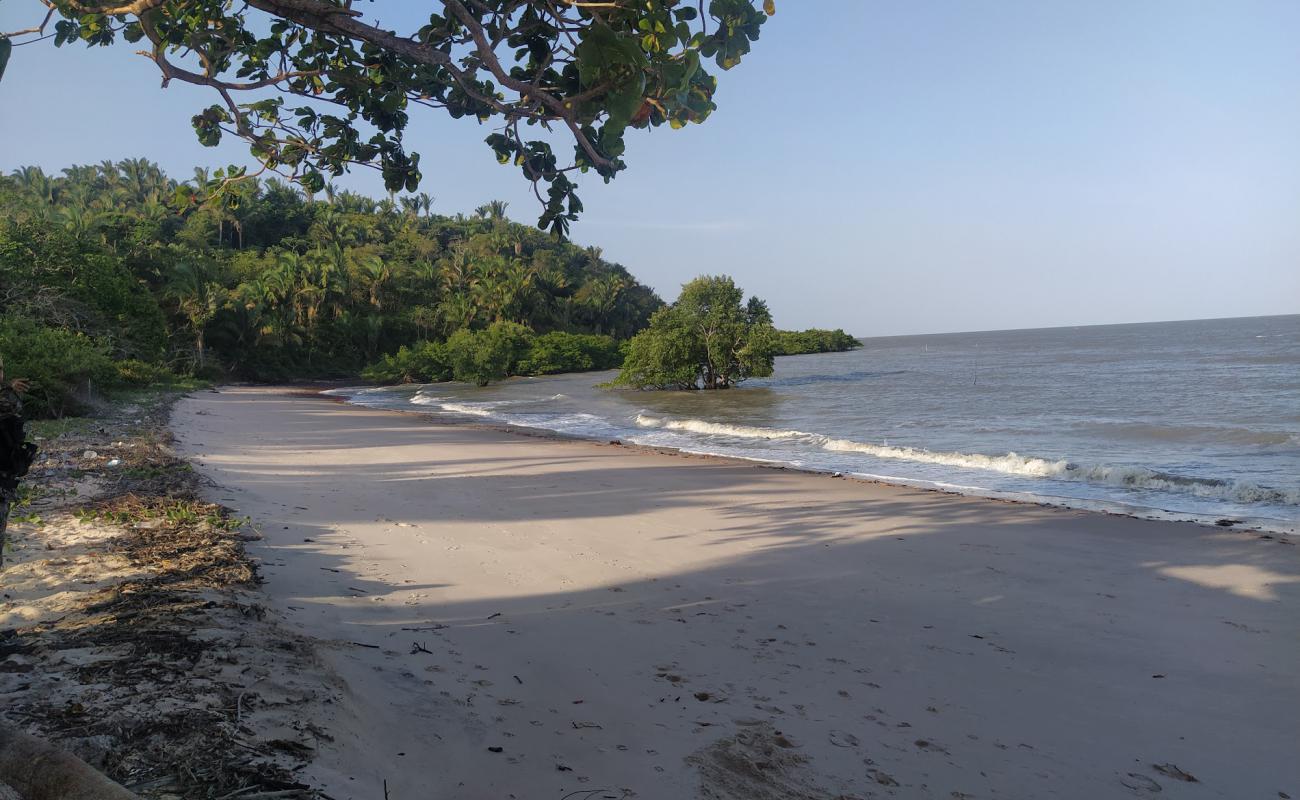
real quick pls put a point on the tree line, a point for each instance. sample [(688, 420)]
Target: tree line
[(120, 264), (118, 273)]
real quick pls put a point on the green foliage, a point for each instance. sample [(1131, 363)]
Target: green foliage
[(707, 339), (561, 65), (422, 362), (814, 340), (134, 372), (491, 354), (559, 351), (62, 366), (51, 274), (267, 284)]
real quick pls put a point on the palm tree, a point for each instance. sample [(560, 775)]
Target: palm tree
[(376, 272), (494, 210), (198, 297)]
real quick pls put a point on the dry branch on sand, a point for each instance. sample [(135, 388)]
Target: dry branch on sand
[(130, 627)]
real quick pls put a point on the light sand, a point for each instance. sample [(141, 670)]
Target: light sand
[(659, 626)]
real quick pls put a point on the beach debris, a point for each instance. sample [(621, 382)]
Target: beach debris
[(518, 680), (756, 763), (1227, 523), (417, 647), (1172, 771), (494, 616), (496, 749), (162, 700), (843, 739), (363, 644)]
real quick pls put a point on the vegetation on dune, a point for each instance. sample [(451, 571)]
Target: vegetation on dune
[(586, 72)]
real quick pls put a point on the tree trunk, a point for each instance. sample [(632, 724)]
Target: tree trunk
[(38, 770)]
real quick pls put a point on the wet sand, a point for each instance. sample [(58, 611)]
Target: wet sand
[(527, 617)]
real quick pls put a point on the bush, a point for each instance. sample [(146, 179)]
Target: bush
[(814, 340), (63, 366), (479, 357), (54, 276), (422, 362), (558, 351), (133, 372)]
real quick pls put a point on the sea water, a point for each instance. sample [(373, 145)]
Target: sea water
[(1191, 420)]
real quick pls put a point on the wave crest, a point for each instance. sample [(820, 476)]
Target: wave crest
[(1010, 463), (717, 428)]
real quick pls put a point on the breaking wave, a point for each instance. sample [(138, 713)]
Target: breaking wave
[(717, 429), (1127, 477)]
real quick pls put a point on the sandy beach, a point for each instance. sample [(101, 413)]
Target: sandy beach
[(526, 617)]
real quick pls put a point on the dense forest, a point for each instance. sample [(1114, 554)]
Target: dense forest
[(118, 273)]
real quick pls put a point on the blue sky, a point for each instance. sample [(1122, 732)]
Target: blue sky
[(887, 168)]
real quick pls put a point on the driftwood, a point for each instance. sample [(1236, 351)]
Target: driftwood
[(37, 770)]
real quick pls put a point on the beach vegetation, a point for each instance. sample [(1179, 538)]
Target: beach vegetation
[(814, 340), (64, 367), (560, 351), (711, 338), (482, 356)]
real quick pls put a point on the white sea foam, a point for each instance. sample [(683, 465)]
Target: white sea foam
[(717, 429), (1009, 464)]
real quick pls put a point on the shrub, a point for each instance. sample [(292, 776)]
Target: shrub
[(814, 340), (494, 353), (63, 366), (422, 362), (133, 372), (558, 351)]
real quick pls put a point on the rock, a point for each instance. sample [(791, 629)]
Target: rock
[(90, 454)]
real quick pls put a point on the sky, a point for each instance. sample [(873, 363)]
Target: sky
[(887, 168)]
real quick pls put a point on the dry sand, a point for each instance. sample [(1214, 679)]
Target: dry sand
[(521, 617)]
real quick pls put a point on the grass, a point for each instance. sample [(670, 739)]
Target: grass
[(54, 428), (132, 510)]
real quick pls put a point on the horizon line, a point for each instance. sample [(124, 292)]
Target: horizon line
[(1080, 325)]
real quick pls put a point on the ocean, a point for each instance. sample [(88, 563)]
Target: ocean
[(1196, 420)]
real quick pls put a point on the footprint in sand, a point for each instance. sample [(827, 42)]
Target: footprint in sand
[(1140, 783)]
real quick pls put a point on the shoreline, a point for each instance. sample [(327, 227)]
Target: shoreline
[(1265, 527), (515, 612)]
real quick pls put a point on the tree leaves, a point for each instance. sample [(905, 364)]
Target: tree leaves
[(708, 339), (6, 48), (515, 64)]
